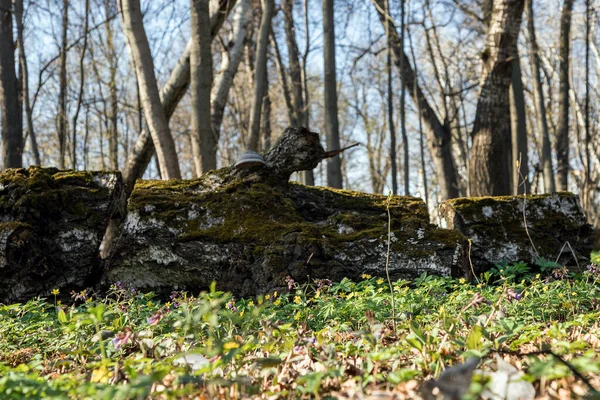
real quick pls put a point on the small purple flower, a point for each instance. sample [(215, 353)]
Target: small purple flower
[(560, 273), (231, 306), (322, 283), (512, 295), (122, 338), (290, 282), (312, 340), (153, 320), (594, 270), (83, 295)]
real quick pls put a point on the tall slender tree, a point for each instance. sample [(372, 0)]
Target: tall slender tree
[(12, 136), (562, 134), (540, 104), (204, 144), (334, 166), (260, 87), (438, 134), (156, 119), (24, 81), (62, 93), (489, 165)]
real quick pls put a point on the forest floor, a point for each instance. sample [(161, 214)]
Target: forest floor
[(320, 340)]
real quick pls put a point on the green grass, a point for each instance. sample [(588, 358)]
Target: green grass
[(319, 340)]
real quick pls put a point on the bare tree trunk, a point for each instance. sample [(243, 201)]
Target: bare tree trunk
[(259, 74), (266, 117), (81, 85), (292, 117), (540, 105), (438, 134), (62, 94), (421, 132), (390, 96), (562, 136), (171, 93), (308, 177), (153, 110), (334, 167), (293, 54), (406, 166), (489, 169), (113, 133), (230, 64), (86, 135), (588, 160), (204, 144), (24, 81), (518, 132)]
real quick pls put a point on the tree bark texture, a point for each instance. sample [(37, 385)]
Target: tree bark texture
[(489, 166), (24, 81), (113, 133), (12, 135), (438, 135), (295, 70), (332, 129), (62, 94), (230, 64), (81, 86), (540, 105), (154, 112), (260, 87), (562, 134), (518, 116), (204, 143)]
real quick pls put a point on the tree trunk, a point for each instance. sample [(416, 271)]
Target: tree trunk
[(81, 85), (334, 167), (293, 54), (170, 95), (308, 177), (259, 74), (113, 133), (562, 136), (204, 143), (153, 110), (390, 97), (518, 132), (24, 81), (438, 135), (292, 117), (230, 64), (62, 94), (490, 153), (540, 105)]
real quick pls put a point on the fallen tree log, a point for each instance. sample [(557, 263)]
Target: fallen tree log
[(530, 229), (250, 229), (52, 223)]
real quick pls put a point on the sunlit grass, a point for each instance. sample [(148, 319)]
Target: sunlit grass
[(319, 339)]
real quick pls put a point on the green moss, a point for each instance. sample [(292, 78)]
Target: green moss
[(507, 222), (263, 215), (49, 193)]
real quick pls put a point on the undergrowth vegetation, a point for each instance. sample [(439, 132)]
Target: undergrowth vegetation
[(318, 340)]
